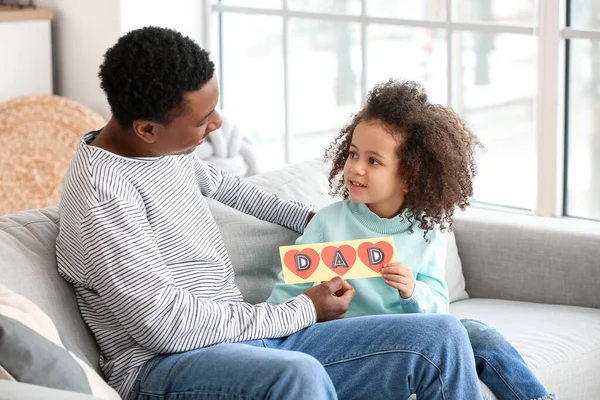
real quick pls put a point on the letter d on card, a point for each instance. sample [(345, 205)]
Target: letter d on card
[(302, 263)]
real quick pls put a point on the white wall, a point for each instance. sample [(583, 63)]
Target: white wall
[(83, 30), (81, 33), (26, 66), (182, 15)]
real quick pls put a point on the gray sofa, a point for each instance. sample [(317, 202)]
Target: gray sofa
[(536, 279)]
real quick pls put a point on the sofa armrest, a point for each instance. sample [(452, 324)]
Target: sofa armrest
[(10, 390), (526, 258)]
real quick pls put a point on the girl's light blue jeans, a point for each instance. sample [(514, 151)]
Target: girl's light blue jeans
[(500, 366), (375, 357)]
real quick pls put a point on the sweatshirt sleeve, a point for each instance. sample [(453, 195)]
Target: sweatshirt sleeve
[(248, 198), (124, 266), (283, 292), (431, 293)]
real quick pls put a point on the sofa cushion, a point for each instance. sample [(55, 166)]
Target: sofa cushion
[(31, 350), (561, 344), (28, 267), (252, 245), (306, 182), (520, 257)]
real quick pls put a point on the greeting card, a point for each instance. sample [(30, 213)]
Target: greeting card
[(348, 259)]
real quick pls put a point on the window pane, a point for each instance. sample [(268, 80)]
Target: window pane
[(324, 79), (583, 161), (252, 82), (495, 90), (332, 6), (498, 11), (407, 9), (411, 53), (253, 3), (585, 14)]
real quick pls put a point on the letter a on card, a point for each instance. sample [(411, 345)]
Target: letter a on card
[(339, 261)]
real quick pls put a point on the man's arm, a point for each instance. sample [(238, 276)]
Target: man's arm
[(283, 292), (125, 267), (248, 198)]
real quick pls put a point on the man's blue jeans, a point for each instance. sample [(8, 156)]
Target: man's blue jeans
[(375, 357)]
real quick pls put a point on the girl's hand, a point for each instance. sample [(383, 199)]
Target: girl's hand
[(399, 276)]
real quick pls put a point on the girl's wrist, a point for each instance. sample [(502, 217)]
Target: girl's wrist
[(407, 297)]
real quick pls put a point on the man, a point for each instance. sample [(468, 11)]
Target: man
[(154, 281)]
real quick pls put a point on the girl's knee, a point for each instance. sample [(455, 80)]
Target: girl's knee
[(483, 336), (473, 324)]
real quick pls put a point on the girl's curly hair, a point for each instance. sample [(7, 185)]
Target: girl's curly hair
[(436, 152)]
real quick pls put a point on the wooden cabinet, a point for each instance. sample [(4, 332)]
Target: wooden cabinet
[(25, 52)]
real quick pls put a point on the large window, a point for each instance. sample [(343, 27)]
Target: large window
[(293, 71), (583, 108)]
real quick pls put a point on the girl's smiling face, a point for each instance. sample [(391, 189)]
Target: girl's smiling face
[(372, 170)]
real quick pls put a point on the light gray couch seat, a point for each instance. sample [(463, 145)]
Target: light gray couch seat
[(560, 343), (536, 280)]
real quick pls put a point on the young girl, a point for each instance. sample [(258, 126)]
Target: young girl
[(403, 165)]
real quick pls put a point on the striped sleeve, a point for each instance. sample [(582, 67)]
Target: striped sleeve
[(248, 198), (282, 291), (125, 267)]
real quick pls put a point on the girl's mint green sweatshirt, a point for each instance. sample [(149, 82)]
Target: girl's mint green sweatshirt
[(346, 220)]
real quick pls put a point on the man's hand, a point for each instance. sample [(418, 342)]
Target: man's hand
[(399, 276), (331, 298)]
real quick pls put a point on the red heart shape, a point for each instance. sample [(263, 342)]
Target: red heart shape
[(296, 264), (379, 260), (329, 256)]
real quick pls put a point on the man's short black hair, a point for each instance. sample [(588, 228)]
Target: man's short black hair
[(147, 72)]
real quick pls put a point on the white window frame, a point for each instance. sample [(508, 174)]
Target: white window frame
[(551, 33)]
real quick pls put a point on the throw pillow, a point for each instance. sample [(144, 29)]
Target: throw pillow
[(31, 351), (454, 275)]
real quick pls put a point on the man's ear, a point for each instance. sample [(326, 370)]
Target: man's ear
[(146, 130)]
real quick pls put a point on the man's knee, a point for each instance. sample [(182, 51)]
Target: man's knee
[(301, 366), (450, 326), (301, 373)]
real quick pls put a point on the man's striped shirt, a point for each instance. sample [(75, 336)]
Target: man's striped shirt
[(150, 269)]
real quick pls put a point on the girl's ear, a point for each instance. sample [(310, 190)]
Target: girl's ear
[(405, 186)]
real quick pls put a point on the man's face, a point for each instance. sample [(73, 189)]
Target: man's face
[(188, 130)]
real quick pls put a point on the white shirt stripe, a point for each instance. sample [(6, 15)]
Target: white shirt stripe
[(150, 269)]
